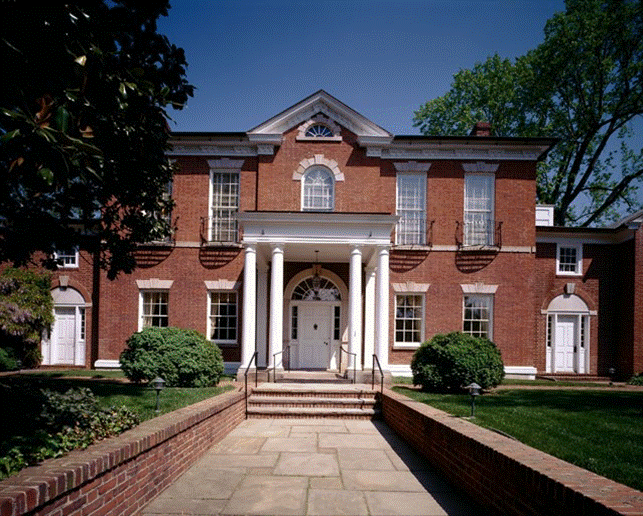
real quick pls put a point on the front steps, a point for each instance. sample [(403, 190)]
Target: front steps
[(312, 400)]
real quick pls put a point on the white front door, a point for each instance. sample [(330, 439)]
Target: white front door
[(565, 339), (314, 327), (63, 340)]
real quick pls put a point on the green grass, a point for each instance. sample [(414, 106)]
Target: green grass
[(601, 431), (139, 398)]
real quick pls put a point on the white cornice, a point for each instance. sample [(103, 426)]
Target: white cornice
[(456, 151)]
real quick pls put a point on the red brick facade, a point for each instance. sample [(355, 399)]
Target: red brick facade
[(516, 270)]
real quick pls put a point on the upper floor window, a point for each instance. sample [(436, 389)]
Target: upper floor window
[(479, 209), (411, 208), (569, 259), (318, 189), (67, 257), (319, 131), (224, 205)]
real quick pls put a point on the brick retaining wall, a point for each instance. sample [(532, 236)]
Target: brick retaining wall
[(502, 474), (121, 475)]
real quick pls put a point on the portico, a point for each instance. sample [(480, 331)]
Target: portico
[(316, 311)]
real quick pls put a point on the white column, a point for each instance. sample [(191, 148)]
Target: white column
[(355, 307), (369, 317), (249, 339), (382, 306), (276, 306), (262, 313)]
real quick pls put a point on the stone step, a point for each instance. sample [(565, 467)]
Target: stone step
[(312, 402), (308, 400), (311, 412)]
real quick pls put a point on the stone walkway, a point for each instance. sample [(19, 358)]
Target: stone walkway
[(311, 467)]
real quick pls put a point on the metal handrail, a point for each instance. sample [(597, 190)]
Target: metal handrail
[(274, 363), (377, 361), (341, 349), (245, 377)]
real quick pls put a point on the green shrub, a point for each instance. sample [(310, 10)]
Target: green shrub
[(66, 421), (451, 362), (637, 379), (8, 360), (183, 358)]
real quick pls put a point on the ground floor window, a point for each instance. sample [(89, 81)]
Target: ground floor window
[(409, 319), (477, 319), (154, 309), (223, 318)]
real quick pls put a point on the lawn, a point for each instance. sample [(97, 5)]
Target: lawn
[(599, 430), (111, 392)]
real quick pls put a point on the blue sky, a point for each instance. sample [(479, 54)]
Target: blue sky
[(251, 59)]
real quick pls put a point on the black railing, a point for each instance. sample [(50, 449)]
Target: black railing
[(354, 355), (478, 234), (245, 376), (283, 352), (377, 361), (213, 230)]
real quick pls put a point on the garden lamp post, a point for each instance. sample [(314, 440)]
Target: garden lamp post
[(611, 371), (474, 390), (157, 384)]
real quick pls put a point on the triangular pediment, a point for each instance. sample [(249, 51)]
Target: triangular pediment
[(329, 106)]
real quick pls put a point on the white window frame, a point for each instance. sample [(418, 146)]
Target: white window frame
[(67, 259), (211, 327), (229, 233), (141, 307), (405, 344), (476, 217), (416, 214), (578, 248), (328, 197), (489, 301)]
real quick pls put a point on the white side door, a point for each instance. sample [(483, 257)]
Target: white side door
[(314, 326), (565, 336), (63, 342)]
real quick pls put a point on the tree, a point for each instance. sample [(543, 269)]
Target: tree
[(26, 312), (84, 127), (583, 85)]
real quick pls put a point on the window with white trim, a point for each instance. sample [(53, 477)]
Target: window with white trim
[(477, 315), (224, 205), (569, 259), (411, 208), (318, 189), (223, 317), (67, 258), (479, 209), (409, 320), (154, 306)]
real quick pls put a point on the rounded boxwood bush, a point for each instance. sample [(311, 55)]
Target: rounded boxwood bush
[(453, 361), (183, 358), (637, 379)]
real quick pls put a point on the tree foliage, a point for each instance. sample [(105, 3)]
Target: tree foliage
[(583, 85), (26, 312), (84, 127)]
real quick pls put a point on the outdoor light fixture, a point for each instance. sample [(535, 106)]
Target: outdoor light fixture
[(157, 384), (612, 372), (474, 390), (316, 281)]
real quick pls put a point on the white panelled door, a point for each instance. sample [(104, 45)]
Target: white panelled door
[(566, 333), (64, 335), (314, 324)]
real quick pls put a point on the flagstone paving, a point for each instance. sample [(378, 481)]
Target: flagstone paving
[(311, 467)]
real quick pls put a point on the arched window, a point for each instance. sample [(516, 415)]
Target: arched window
[(318, 189), (316, 288), (319, 131)]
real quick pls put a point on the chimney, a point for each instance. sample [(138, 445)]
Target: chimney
[(481, 129)]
